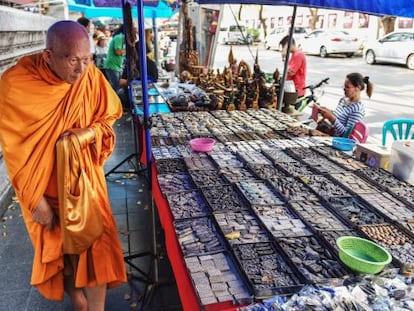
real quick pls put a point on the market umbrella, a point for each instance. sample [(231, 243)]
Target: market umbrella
[(113, 8), (403, 8)]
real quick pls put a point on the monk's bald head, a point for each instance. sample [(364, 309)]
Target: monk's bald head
[(68, 50), (65, 34)]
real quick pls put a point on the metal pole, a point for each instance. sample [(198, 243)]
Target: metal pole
[(285, 68), (144, 81)]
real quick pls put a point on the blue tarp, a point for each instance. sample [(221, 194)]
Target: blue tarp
[(403, 8)]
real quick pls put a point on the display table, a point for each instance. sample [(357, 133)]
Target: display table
[(272, 196), (185, 286), (156, 102)]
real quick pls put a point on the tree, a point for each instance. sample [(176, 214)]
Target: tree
[(388, 23), (313, 18), (239, 12), (262, 21)]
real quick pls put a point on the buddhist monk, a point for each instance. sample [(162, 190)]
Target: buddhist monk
[(43, 97)]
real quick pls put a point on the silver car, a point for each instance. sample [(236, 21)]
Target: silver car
[(396, 47)]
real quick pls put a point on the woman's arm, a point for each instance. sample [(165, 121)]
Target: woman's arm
[(344, 127), (344, 116)]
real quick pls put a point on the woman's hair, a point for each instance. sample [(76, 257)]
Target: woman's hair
[(119, 30), (357, 79)]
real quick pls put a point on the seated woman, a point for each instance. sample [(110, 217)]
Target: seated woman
[(350, 109)]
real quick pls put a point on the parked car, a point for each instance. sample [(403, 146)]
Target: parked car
[(235, 34), (396, 47), (326, 42), (272, 40)]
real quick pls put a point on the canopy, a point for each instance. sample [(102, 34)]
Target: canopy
[(403, 8), (113, 8)]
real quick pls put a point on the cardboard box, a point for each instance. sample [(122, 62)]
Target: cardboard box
[(373, 155), (402, 160)]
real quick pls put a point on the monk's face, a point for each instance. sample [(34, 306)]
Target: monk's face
[(69, 61)]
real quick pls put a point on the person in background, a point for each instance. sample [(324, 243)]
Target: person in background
[(114, 62), (152, 69), (101, 52), (149, 42), (42, 98), (108, 34), (85, 22), (350, 109), (297, 65)]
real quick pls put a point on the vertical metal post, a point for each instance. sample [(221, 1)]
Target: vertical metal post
[(285, 68)]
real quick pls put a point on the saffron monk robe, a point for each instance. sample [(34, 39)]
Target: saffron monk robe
[(41, 98)]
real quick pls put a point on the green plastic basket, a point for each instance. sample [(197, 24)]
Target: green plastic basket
[(362, 255)]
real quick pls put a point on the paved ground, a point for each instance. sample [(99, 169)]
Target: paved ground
[(133, 216)]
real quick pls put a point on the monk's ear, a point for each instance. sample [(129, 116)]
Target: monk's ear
[(47, 54)]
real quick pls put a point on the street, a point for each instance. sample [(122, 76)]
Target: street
[(393, 95)]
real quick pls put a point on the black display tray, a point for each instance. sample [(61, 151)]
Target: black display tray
[(253, 157), (259, 193), (248, 136), (386, 181), (159, 141), (224, 198), (310, 157), (187, 204), (166, 153), (291, 189), (295, 168), (392, 238), (280, 221), (278, 155), (236, 174), (241, 227), (198, 236), (265, 171), (355, 211), (217, 281), (391, 208), (318, 216), (226, 159), (317, 263), (200, 162), (170, 166), (267, 270), (353, 183), (171, 183), (339, 157), (207, 178), (324, 187)]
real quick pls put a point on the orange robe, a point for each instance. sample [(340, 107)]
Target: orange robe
[(35, 109)]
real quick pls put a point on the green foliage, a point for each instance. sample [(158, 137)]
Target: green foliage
[(254, 33)]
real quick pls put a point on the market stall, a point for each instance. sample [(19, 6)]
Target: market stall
[(259, 215)]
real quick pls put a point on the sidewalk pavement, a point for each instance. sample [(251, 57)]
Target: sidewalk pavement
[(129, 202)]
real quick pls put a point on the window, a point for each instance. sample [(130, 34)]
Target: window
[(363, 20), (405, 23), (348, 20)]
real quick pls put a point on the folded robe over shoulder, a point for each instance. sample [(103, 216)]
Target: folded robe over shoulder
[(35, 109)]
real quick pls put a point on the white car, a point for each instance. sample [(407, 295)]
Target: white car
[(396, 47), (235, 34), (272, 40), (325, 42)]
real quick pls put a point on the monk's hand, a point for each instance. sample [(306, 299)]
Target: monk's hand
[(43, 214)]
